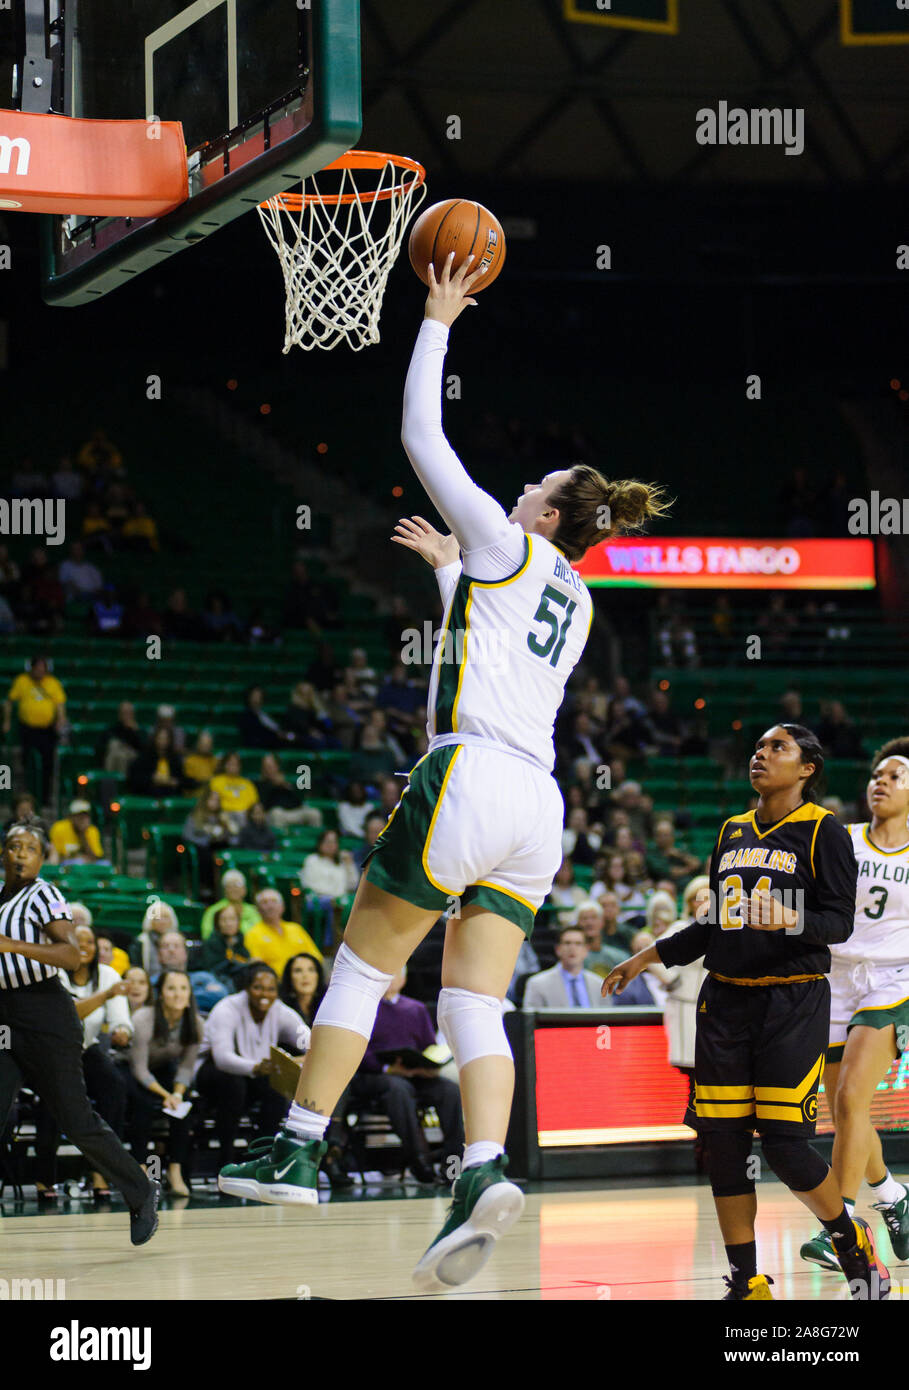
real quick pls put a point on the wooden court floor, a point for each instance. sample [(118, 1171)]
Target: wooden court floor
[(573, 1242)]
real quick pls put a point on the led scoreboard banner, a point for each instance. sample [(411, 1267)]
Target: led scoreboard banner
[(596, 1096), (722, 562)]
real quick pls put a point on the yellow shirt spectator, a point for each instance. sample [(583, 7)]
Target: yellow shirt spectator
[(66, 842), (198, 767), (275, 946), (237, 794), (37, 700)]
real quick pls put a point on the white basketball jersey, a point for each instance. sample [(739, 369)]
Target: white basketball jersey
[(506, 650), (881, 931)]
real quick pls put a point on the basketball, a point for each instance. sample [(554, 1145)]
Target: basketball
[(462, 227)]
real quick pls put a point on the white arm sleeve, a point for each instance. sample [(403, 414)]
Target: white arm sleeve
[(491, 546), (447, 578)]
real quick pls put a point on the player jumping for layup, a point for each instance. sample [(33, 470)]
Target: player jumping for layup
[(763, 1012), (480, 820), (869, 1003)]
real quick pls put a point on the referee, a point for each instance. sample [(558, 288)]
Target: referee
[(44, 1048), (763, 1011)]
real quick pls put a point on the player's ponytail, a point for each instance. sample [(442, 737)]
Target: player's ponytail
[(591, 509), (812, 752)]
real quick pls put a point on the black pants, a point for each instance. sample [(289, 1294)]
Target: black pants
[(232, 1096), (107, 1089), (399, 1096), (38, 746), (147, 1107), (45, 1054)]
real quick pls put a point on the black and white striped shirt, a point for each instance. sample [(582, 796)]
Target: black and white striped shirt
[(24, 917)]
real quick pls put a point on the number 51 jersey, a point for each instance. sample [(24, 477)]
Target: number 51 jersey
[(506, 650), (881, 931)]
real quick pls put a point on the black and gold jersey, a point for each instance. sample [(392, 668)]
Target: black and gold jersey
[(806, 858)]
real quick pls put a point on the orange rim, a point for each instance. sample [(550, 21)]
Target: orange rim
[(356, 159)]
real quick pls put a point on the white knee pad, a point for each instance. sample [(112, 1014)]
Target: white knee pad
[(352, 998), (472, 1025)]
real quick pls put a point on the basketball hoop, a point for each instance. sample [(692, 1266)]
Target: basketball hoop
[(336, 248)]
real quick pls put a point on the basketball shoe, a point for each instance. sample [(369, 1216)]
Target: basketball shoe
[(751, 1290), (484, 1206), (283, 1171)]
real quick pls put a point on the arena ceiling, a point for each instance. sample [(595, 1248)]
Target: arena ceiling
[(541, 97)]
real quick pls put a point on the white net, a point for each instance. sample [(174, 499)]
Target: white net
[(336, 249)]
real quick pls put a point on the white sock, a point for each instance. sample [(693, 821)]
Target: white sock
[(482, 1152), (888, 1191), (306, 1124)]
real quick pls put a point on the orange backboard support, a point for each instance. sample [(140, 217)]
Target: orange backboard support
[(61, 164)]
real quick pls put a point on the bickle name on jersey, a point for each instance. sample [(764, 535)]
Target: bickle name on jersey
[(564, 571)]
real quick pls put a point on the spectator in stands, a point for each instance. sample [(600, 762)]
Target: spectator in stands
[(666, 859), (109, 954), (399, 697), (99, 455), (224, 952), (404, 1024), (256, 832), (122, 742), (7, 618), (324, 672), (159, 919), (140, 531), (99, 996), (839, 809), (141, 619), (219, 621), (636, 807), (117, 504), (341, 720), (777, 627), (138, 988), (66, 481), (174, 954), (837, 732), (626, 734), (28, 480), (79, 577), (76, 839), (602, 954), (361, 680), (680, 1015), (199, 763), (527, 964), (166, 718), (180, 622), (10, 575), (402, 617), (674, 634), (236, 792), (40, 702), (638, 880), (696, 741), (660, 912), (303, 985), (614, 933), (655, 981), (565, 894), (390, 789), (107, 613), (580, 841), (585, 742), (301, 601), (623, 840), (256, 728), (328, 877), (274, 940), (667, 731), (96, 530), (567, 985), (283, 804), (236, 1056), (25, 808), (613, 880), (210, 829), (376, 751), (233, 885), (306, 717), (162, 1060), (41, 603), (353, 810), (158, 771), (372, 829)]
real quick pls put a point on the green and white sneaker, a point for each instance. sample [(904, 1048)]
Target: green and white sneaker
[(819, 1251), (485, 1205), (280, 1171), (897, 1219)]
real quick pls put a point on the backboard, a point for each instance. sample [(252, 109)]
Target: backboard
[(268, 91)]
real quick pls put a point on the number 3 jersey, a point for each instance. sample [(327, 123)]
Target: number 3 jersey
[(807, 858), (881, 930), (506, 649)]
